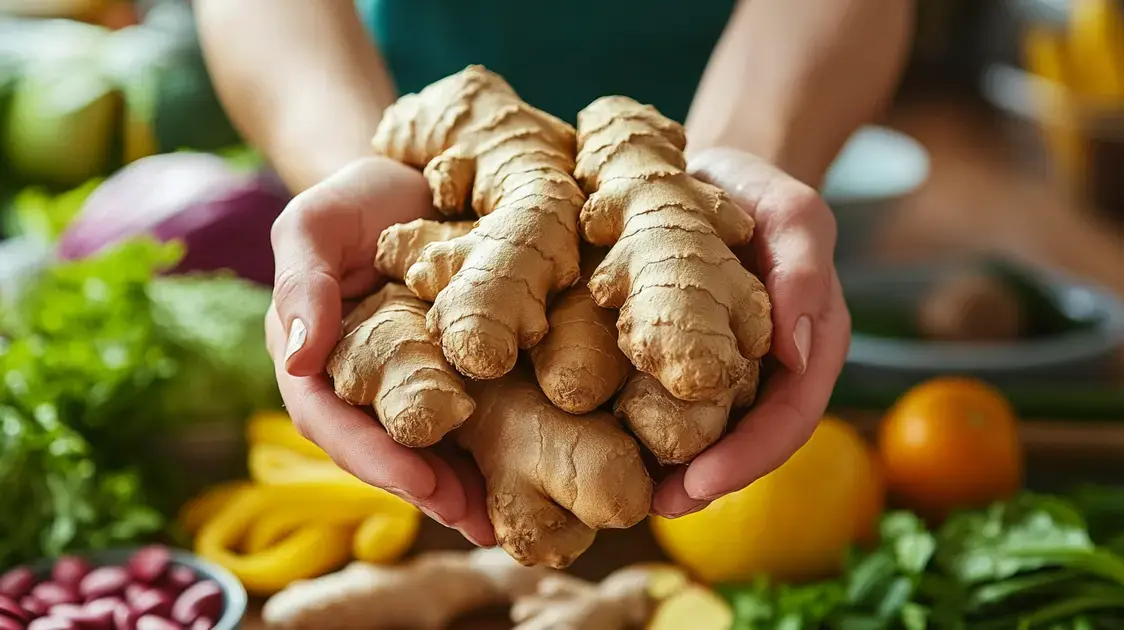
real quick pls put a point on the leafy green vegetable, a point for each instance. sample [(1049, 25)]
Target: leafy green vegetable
[(1026, 563), (99, 359), (38, 212)]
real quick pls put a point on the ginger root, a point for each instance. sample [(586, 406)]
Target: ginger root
[(427, 593), (401, 244), (674, 430), (474, 136), (552, 478), (387, 359), (621, 601), (578, 364), (690, 314)]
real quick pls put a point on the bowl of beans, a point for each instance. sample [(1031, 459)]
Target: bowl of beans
[(147, 588)]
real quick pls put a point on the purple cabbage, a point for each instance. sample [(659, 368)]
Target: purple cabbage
[(223, 216)]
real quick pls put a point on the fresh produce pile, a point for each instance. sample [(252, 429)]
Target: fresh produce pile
[(297, 517), (79, 100), (105, 365), (668, 316), (148, 592)]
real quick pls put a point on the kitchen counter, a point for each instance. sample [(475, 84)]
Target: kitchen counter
[(978, 199)]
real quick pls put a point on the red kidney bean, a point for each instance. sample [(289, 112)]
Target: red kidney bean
[(9, 607), (152, 622), (148, 564), (8, 623), (103, 581), (69, 571), (66, 611), (52, 623), (33, 606), (202, 599), (152, 602), (98, 614), (132, 590), (124, 618), (203, 623), (17, 582), (178, 578), (50, 594)]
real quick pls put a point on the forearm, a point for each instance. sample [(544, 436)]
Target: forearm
[(790, 80), (300, 80)]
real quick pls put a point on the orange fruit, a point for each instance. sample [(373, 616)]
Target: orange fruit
[(950, 443)]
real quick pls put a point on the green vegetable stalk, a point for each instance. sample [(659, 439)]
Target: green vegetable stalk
[(99, 360)]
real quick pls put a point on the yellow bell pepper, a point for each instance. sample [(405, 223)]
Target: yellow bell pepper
[(313, 549), (1044, 51), (384, 538), (1096, 41), (273, 465), (203, 507), (274, 427)]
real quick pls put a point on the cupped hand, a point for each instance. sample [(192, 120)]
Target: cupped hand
[(324, 247), (792, 252)]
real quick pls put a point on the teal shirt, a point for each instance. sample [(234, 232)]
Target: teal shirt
[(559, 56)]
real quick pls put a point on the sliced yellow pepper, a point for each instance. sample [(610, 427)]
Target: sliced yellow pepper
[(313, 549), (275, 427), (275, 465), (203, 507), (384, 538)]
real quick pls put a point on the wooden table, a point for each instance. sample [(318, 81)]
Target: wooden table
[(977, 199)]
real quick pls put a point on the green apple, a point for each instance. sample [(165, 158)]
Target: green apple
[(61, 124)]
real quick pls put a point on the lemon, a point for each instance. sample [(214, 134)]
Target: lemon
[(795, 523)]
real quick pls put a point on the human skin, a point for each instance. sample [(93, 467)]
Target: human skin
[(789, 81)]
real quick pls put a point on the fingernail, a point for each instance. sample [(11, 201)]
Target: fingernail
[(298, 332), (433, 515), (688, 511), (402, 494), (803, 339)]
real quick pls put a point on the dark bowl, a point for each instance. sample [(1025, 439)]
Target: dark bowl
[(234, 594)]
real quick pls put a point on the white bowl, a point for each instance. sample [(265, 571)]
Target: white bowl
[(876, 167)]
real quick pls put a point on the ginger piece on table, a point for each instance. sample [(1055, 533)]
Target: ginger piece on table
[(476, 138), (427, 593), (621, 601), (690, 314), (674, 430), (387, 359), (552, 478)]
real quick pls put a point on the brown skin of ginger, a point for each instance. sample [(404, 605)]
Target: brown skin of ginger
[(387, 359), (578, 363), (401, 244), (427, 593), (475, 137), (674, 430), (552, 478), (690, 314)]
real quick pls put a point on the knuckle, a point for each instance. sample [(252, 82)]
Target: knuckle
[(287, 285)]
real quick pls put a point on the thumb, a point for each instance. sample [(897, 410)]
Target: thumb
[(793, 244), (306, 290)]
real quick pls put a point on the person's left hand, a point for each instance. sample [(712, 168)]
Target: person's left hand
[(792, 251)]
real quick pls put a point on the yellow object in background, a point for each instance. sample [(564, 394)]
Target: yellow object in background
[(1096, 50), (796, 523), (299, 517), (1044, 51), (275, 427)]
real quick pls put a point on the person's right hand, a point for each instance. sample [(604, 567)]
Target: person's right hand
[(324, 247)]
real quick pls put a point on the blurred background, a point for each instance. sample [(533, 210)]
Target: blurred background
[(981, 226)]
